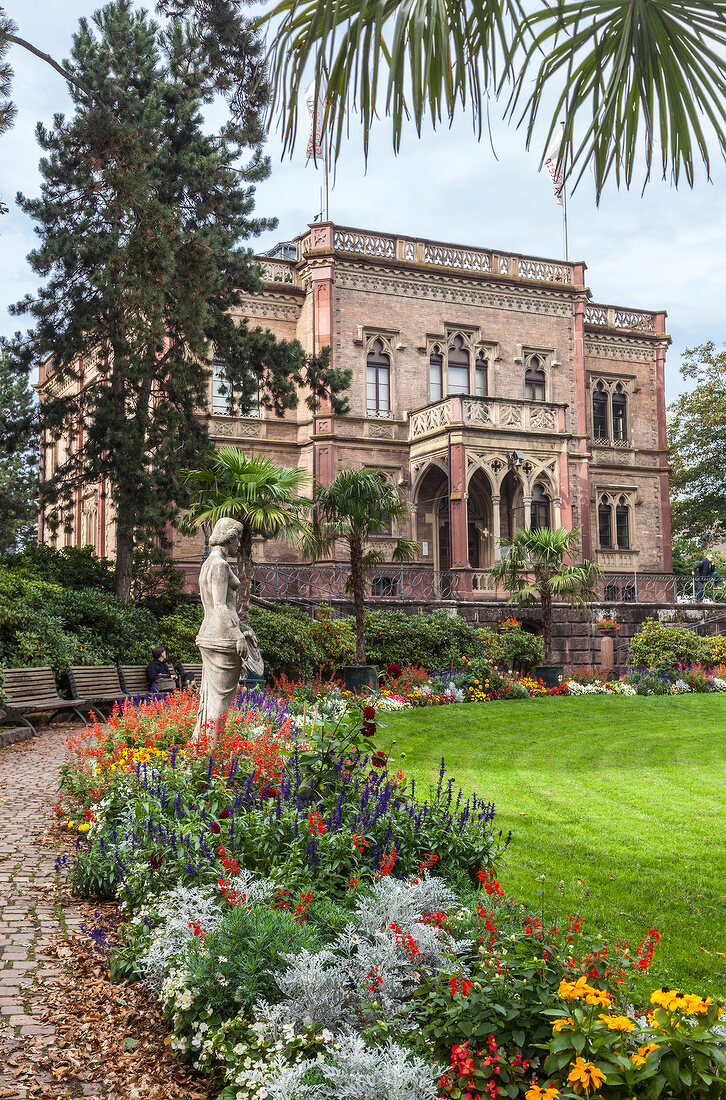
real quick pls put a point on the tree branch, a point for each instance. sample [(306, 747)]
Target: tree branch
[(49, 60)]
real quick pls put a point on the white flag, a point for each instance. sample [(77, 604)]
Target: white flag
[(316, 111), (556, 173)]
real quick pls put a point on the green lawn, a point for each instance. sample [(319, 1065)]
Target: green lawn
[(626, 796)]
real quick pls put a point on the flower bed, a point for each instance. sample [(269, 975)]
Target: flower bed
[(316, 927)]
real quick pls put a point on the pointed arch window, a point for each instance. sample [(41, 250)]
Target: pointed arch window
[(620, 407), (540, 512), (378, 380), (605, 522), (458, 367), (622, 523), (482, 375), (534, 379), (600, 412), (225, 401), (436, 374)]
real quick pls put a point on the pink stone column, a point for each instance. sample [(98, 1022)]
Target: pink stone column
[(581, 423), (459, 518), (664, 487)]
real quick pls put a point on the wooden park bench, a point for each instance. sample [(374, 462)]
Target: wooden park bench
[(99, 685), (34, 691), (135, 683), (191, 671)]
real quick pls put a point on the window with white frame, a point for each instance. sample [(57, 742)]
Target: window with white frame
[(378, 378), (535, 379), (458, 366), (614, 520), (610, 411), (225, 402)]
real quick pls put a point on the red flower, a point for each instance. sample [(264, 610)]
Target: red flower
[(379, 760), (369, 713), (155, 861), (368, 728), (215, 827), (394, 671), (224, 814)]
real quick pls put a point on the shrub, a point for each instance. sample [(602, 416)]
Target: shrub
[(658, 645), (71, 566), (522, 651), (251, 942), (431, 641)]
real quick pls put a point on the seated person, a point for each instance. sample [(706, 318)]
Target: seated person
[(158, 671)]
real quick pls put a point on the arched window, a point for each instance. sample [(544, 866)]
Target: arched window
[(605, 522), (600, 412), (458, 372), (540, 514), (622, 524), (620, 405), (436, 374), (482, 375), (534, 380), (378, 381)]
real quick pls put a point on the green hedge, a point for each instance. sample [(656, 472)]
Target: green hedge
[(44, 622), (657, 645)]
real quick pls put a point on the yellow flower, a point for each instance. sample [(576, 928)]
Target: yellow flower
[(572, 991), (564, 1022), (71, 824), (585, 1076), (641, 1057), (536, 1093), (597, 997), (84, 828), (618, 1023)]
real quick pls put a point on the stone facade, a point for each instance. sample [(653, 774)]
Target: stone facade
[(486, 385)]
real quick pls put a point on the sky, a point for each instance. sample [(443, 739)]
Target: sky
[(664, 249)]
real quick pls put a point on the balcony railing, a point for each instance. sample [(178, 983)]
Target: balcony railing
[(310, 583), (313, 583), (495, 413)]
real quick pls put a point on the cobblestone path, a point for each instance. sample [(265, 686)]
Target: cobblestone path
[(28, 915)]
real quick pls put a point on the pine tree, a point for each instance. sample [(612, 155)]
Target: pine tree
[(18, 459), (141, 221)]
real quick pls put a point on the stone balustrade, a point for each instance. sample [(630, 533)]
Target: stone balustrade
[(492, 413), (435, 254), (629, 320)]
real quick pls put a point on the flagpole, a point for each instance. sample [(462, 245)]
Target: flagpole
[(325, 180), (564, 202)]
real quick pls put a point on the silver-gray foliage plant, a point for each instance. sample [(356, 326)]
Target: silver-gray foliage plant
[(359, 1072), (369, 962)]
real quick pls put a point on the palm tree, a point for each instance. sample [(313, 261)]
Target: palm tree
[(260, 495), (628, 79), (356, 505), (536, 570)]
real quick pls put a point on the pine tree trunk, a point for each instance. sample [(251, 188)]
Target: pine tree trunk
[(359, 592), (244, 572), (546, 599), (123, 571)]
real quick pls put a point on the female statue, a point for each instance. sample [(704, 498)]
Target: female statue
[(226, 646)]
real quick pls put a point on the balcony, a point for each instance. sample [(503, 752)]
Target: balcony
[(500, 414)]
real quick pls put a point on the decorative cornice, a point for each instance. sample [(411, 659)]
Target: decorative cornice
[(453, 289), (626, 348)]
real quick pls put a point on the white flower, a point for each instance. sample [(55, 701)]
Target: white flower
[(222, 958)]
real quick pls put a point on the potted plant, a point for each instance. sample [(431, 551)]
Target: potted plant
[(536, 570), (607, 624), (355, 506)]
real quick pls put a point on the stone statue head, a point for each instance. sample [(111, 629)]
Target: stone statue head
[(226, 531)]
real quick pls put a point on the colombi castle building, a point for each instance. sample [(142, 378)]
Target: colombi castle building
[(488, 386)]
